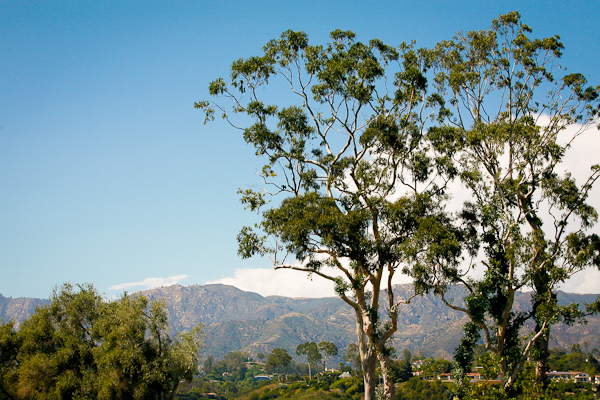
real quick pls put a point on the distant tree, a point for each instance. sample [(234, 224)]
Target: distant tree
[(406, 355), (402, 370), (575, 361), (279, 360), (352, 358), (208, 363), (437, 367), (327, 350), (261, 356), (311, 352), (235, 362)]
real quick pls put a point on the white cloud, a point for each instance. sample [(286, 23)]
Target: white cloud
[(584, 282), (584, 152), (150, 283), (284, 282)]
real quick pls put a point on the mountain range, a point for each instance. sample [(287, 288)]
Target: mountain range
[(239, 320)]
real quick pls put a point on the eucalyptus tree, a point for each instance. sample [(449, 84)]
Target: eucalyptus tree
[(279, 360), (509, 123), (352, 358), (327, 350), (347, 167), (311, 351)]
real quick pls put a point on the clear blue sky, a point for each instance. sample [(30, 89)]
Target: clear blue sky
[(107, 173)]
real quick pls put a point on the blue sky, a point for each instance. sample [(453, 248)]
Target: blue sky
[(107, 173)]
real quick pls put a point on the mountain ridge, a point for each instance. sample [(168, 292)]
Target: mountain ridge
[(238, 320)]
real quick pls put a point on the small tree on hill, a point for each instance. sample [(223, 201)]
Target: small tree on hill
[(279, 360), (327, 350), (312, 354)]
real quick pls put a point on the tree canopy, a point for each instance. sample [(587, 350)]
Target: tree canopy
[(358, 160), (510, 121), (80, 346), (279, 360), (348, 162)]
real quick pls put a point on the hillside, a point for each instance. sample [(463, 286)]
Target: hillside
[(238, 320), (18, 309)]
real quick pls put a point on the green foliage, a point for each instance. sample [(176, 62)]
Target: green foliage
[(327, 350), (575, 361), (418, 389), (356, 172), (311, 351), (10, 342), (503, 134), (352, 357), (80, 346), (348, 159), (278, 360), (402, 370)]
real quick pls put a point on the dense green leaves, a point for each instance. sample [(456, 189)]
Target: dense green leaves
[(502, 134), (350, 163), (278, 360), (357, 164), (80, 346)]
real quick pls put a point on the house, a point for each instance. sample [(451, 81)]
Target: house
[(576, 376), (581, 377), (263, 377), (474, 376)]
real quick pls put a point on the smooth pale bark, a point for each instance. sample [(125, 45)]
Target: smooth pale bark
[(389, 389), (367, 356)]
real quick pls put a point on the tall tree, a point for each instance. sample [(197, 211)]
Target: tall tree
[(327, 350), (311, 351), (347, 163), (352, 358), (139, 358), (279, 361), (56, 356), (509, 124)]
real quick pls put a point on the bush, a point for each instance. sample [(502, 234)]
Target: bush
[(296, 385)]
